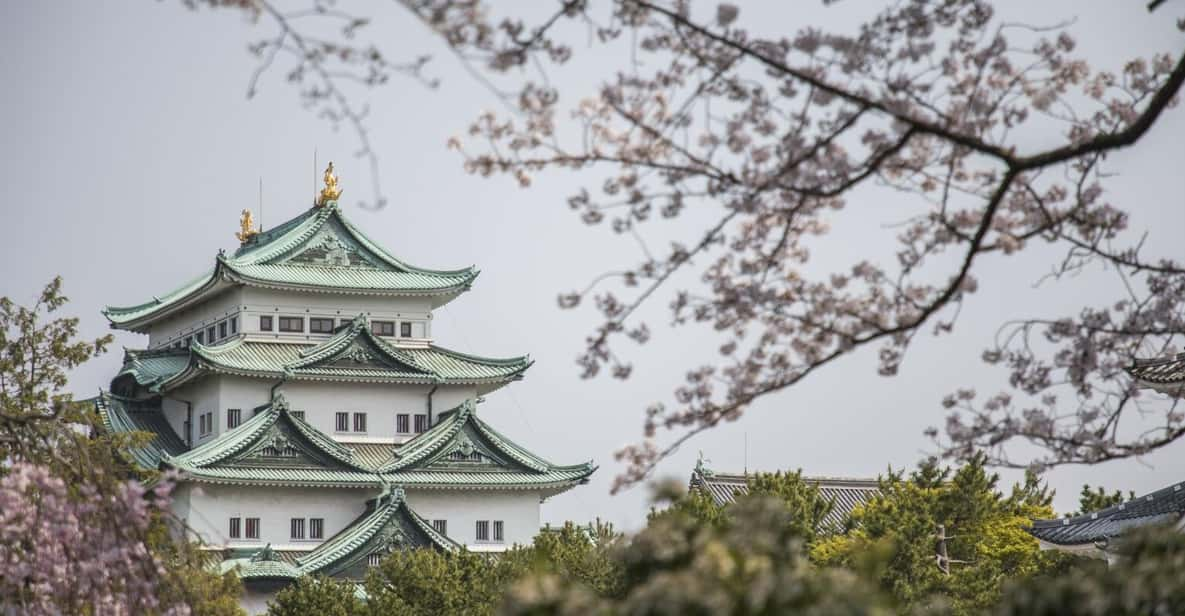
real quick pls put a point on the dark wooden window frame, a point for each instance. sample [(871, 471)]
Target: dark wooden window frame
[(287, 324)]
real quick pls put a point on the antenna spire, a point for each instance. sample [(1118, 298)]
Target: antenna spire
[(261, 203)]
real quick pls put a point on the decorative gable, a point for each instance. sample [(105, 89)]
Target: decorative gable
[(358, 351), (281, 445), (387, 526), (331, 246), (467, 451)]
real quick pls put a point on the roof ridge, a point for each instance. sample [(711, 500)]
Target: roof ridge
[(227, 444), (481, 359), (1107, 512), (427, 443)]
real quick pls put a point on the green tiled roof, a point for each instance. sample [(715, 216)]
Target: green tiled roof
[(353, 354), (123, 415), (388, 523), (319, 250), (488, 459), (251, 453), (241, 455), (373, 455), (264, 564)]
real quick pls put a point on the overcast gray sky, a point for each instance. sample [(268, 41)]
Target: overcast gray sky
[(129, 149)]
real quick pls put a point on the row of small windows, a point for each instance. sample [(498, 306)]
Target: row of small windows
[(319, 325), (483, 530), (403, 422), (342, 422), (214, 333), (315, 528)]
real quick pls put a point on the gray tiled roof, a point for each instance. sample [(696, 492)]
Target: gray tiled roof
[(1166, 505), (1166, 374), (845, 493)]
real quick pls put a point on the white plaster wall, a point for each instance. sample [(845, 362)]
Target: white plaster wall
[(208, 509), (203, 395), (518, 510), (259, 302), (176, 412), (195, 319), (321, 400)]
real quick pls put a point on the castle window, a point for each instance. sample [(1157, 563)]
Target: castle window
[(421, 423), (405, 329), (233, 418), (360, 422), (297, 414), (222, 329), (298, 528), (292, 324), (498, 530), (200, 337), (316, 528), (265, 323), (210, 334), (320, 326), (234, 325), (252, 528), (440, 526), (382, 328), (483, 530), (401, 426), (236, 528), (342, 422), (375, 559)]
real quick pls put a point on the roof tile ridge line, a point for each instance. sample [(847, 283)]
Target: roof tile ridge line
[(434, 535), (228, 444), (1148, 362), (316, 352), (514, 450), (173, 297), (299, 233), (1113, 509), (335, 449), (358, 328), (361, 237), (374, 520), (480, 359), (210, 351), (430, 446), (398, 353), (157, 299)]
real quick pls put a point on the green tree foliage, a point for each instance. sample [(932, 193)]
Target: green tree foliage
[(42, 424), (985, 541), (424, 582), (752, 562), (1092, 500), (1145, 579), (581, 553), (806, 504), (317, 595)]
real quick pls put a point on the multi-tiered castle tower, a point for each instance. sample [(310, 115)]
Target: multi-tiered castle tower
[(297, 389)]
